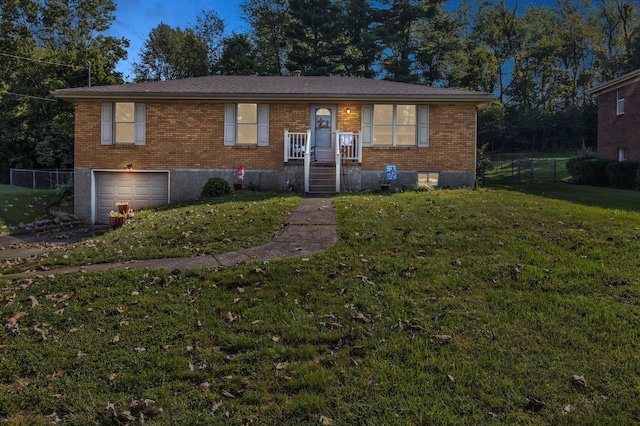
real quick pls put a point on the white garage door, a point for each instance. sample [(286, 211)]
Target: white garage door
[(138, 188)]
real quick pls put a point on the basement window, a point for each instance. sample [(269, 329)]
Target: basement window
[(429, 179)]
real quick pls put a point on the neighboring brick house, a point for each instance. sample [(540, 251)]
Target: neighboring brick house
[(619, 117), (159, 142)]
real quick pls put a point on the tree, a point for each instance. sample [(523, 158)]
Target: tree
[(267, 19), (316, 44), (362, 50), (172, 53), (238, 56), (397, 34), (53, 44)]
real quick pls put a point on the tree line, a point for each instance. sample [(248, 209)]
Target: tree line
[(538, 60)]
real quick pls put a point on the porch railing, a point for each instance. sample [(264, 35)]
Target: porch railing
[(350, 146), (295, 144)]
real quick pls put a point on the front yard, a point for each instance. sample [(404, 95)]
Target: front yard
[(490, 306)]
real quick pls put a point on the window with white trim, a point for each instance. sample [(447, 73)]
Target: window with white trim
[(395, 125), (123, 123), (620, 101), (623, 154), (246, 124), (124, 131)]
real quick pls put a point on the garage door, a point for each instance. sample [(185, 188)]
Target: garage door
[(138, 188)]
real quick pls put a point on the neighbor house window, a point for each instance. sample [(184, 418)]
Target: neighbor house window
[(246, 124), (623, 154), (123, 123), (620, 101), (395, 125)]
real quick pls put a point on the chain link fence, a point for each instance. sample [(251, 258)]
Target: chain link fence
[(532, 170), (40, 179)]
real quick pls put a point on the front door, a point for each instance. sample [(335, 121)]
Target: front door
[(322, 124)]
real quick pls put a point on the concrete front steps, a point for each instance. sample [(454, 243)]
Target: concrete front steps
[(322, 178)]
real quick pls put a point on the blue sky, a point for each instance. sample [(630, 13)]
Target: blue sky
[(136, 18)]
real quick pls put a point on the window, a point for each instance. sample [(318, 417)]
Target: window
[(395, 125), (620, 101), (246, 124), (622, 154), (123, 123), (428, 179)]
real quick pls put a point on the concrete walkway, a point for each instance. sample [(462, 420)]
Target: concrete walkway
[(310, 229)]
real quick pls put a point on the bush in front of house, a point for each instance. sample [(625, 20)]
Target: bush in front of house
[(623, 174), (215, 187), (589, 171)]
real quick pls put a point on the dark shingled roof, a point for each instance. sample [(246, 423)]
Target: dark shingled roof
[(276, 88)]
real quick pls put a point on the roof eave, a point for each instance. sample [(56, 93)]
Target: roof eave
[(75, 96), (615, 83)]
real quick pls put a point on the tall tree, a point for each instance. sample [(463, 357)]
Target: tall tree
[(314, 34), (172, 53), (400, 19), (267, 20), (53, 44), (238, 56), (363, 50)]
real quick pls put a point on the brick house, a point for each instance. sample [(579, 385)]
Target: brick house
[(158, 142), (619, 117)]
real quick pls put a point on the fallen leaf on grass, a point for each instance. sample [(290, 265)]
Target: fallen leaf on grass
[(442, 338), (126, 417), (14, 319), (325, 421), (451, 378), (204, 386), (275, 339), (140, 350), (534, 404), (34, 301), (18, 385), (569, 408), (579, 381), (55, 374), (228, 394), (215, 407), (115, 339)]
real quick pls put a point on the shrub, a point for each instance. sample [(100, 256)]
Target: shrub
[(589, 171), (215, 187), (623, 174), (483, 165), (65, 190)]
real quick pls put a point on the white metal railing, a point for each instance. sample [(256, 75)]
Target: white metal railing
[(307, 162), (295, 144), (350, 146)]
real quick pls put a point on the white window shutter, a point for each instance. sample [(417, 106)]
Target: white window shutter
[(367, 125), (140, 117), (230, 124), (263, 125), (106, 132), (423, 126)]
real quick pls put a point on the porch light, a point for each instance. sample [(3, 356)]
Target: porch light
[(348, 110)]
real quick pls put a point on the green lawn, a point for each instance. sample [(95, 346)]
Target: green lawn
[(443, 307), (21, 205)]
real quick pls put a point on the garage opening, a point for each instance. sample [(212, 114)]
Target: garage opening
[(139, 189)]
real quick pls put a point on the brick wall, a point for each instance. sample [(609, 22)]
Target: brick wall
[(619, 131), (189, 135), (452, 139)]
